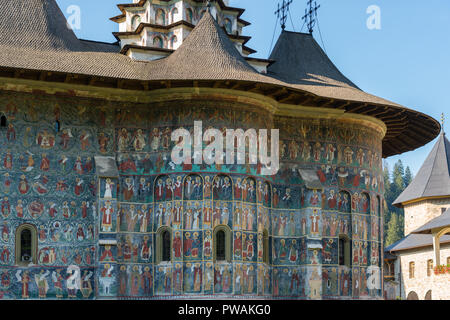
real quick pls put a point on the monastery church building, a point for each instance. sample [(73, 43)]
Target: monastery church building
[(93, 207)]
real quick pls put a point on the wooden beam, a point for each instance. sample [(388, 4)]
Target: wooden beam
[(287, 98), (255, 88), (357, 107), (235, 86), (277, 92), (145, 85)]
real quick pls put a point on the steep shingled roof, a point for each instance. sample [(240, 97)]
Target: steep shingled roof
[(433, 178), (206, 55), (39, 25), (300, 60)]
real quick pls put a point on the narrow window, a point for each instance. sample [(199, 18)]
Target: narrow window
[(3, 121), (341, 252), (135, 21), (448, 261), (220, 246), (429, 267), (165, 246), (412, 266), (344, 251), (26, 244), (265, 247)]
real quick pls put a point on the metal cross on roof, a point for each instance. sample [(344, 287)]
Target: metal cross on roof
[(207, 3), (311, 15), (282, 12), (442, 122)]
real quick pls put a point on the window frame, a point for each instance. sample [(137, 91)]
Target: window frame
[(429, 267), (160, 245), (227, 232), (412, 269), (346, 250), (266, 246), (18, 244)]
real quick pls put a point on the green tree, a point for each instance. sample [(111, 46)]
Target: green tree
[(398, 176), (394, 230), (408, 177), (395, 183), (386, 177)]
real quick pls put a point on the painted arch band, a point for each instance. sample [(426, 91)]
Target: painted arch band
[(236, 142)]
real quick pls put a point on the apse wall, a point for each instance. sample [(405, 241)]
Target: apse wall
[(282, 232)]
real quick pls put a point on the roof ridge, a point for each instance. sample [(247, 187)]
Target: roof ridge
[(447, 152), (433, 166), (209, 43)]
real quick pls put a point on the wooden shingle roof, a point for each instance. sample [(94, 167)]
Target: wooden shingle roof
[(433, 178), (35, 39)]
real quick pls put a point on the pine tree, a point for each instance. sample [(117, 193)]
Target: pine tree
[(397, 175), (407, 178), (393, 233), (386, 177)]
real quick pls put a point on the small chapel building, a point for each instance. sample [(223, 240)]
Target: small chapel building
[(418, 266)]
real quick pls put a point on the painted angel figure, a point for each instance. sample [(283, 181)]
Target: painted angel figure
[(73, 282), (106, 279), (42, 283)]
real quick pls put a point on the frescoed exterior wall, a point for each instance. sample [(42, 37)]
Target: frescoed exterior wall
[(99, 235)]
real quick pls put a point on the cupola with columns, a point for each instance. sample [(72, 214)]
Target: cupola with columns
[(153, 29)]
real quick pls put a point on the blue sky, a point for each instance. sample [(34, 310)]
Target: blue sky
[(407, 61)]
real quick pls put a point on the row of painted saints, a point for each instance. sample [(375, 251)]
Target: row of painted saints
[(192, 215), (225, 189), (168, 189), (55, 256), (329, 153), (240, 279), (63, 139), (41, 185), (35, 209), (44, 162), (139, 280), (62, 282), (343, 177)]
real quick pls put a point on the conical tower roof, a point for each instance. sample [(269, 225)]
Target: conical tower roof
[(36, 24), (207, 53), (300, 60), (433, 178)]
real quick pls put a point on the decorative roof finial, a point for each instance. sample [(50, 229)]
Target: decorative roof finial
[(442, 123), (311, 15), (282, 12)]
